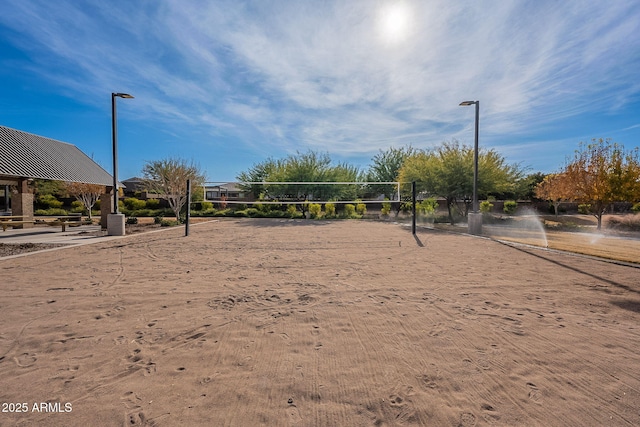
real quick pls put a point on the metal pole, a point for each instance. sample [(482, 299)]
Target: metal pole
[(186, 224), (476, 207), (413, 207), (115, 152)]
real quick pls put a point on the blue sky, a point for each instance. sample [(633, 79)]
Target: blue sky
[(230, 83)]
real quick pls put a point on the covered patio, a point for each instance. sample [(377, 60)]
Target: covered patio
[(25, 157)]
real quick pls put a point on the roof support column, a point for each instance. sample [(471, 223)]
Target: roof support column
[(22, 202), (106, 202)]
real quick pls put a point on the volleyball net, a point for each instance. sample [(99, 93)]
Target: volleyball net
[(300, 193), (311, 199)]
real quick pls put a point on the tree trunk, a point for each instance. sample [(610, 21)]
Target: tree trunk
[(449, 204)]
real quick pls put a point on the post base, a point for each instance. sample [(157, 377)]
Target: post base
[(475, 223), (115, 224)]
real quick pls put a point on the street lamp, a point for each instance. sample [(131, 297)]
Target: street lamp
[(117, 221), (114, 135), (475, 220)]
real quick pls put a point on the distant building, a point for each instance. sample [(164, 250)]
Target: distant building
[(133, 185), (226, 191)]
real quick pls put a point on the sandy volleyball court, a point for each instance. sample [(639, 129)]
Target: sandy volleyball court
[(296, 323)]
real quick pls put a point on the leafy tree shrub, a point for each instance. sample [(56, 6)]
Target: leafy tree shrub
[(510, 207), (205, 206), (152, 203), (636, 208), (50, 212), (254, 213), (292, 211), (133, 204), (46, 201), (486, 206), (144, 212), (330, 210), (386, 207), (349, 210), (315, 210), (427, 206), (361, 208), (132, 220), (584, 208), (77, 207)]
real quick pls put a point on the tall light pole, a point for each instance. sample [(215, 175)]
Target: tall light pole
[(114, 137), (475, 220), (116, 225)]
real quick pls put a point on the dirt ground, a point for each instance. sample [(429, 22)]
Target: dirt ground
[(297, 323)]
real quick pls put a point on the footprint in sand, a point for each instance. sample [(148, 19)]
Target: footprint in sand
[(534, 393), (467, 419), (136, 418), (26, 359), (131, 400)]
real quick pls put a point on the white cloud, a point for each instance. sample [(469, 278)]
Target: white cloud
[(330, 75)]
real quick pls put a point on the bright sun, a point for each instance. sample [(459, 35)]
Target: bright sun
[(394, 20)]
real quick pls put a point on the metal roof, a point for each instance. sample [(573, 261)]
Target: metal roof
[(27, 155)]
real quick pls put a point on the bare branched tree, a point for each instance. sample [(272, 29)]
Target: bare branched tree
[(168, 177), (87, 194)]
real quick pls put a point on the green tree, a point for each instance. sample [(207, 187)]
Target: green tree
[(386, 168), (447, 171), (601, 173), (169, 178), (309, 167)]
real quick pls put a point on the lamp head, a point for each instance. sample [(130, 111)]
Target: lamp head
[(122, 95), (467, 103)]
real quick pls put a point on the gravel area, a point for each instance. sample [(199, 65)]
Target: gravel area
[(8, 249)]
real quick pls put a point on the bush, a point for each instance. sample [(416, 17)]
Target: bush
[(254, 213), (47, 201), (132, 220), (96, 205), (51, 212), (292, 211), (168, 223), (157, 220), (427, 206), (636, 208), (349, 210), (133, 204), (486, 206), (315, 210), (330, 210), (361, 208), (206, 206), (142, 212), (510, 207), (386, 207), (584, 208), (152, 203), (629, 223)]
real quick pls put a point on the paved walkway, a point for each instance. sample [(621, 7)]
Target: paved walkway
[(82, 235)]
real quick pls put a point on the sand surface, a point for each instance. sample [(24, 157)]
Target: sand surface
[(311, 323)]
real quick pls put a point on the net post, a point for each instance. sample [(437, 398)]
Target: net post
[(413, 207), (186, 224)]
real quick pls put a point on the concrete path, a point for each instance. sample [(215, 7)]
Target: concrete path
[(84, 234)]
